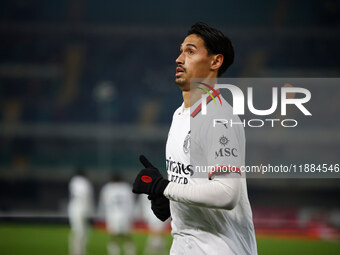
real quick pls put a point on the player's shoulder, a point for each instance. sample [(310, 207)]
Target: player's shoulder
[(217, 113), (220, 109), (214, 109), (178, 110)]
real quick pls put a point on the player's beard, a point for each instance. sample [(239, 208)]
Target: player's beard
[(183, 84), (180, 82)]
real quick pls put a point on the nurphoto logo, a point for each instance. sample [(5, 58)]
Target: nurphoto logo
[(239, 104)]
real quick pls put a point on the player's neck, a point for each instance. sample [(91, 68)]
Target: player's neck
[(191, 96), (186, 98)]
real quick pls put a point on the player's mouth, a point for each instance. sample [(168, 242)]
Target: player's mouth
[(179, 71)]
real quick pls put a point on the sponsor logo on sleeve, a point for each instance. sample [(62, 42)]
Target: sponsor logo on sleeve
[(224, 140), (225, 151)]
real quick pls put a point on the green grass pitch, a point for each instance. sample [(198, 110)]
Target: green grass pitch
[(24, 239)]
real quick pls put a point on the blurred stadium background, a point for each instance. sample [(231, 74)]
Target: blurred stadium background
[(91, 84)]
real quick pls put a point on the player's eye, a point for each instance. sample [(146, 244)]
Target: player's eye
[(190, 51)]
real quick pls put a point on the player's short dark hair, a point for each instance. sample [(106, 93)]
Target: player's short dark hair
[(216, 43)]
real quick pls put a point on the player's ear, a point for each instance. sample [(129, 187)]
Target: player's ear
[(216, 62)]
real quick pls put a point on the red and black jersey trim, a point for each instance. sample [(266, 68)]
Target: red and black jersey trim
[(220, 170), (199, 107)]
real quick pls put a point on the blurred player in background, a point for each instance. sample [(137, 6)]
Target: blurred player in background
[(155, 244), (116, 203), (80, 210), (210, 211)]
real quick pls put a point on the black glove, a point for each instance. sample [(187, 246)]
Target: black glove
[(160, 206), (149, 180)]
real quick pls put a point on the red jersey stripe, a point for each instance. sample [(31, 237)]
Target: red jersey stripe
[(199, 107)]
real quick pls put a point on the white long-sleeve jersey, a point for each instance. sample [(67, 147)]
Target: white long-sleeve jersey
[(210, 209)]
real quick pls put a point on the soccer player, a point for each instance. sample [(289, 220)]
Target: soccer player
[(80, 209), (117, 203), (210, 211)]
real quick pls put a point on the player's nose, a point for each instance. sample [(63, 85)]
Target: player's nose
[(180, 59)]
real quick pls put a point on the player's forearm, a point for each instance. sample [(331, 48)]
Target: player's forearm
[(218, 193)]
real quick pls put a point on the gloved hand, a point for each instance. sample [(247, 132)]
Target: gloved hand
[(160, 206), (149, 180)]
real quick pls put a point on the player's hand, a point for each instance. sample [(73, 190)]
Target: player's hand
[(149, 180), (160, 206)]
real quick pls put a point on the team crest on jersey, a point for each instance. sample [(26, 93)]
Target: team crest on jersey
[(186, 144)]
